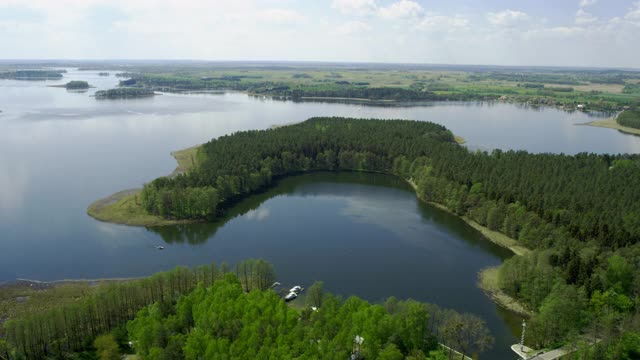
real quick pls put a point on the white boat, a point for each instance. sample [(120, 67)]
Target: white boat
[(160, 247), (296, 289), (290, 296)]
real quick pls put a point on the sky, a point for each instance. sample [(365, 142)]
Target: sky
[(598, 33)]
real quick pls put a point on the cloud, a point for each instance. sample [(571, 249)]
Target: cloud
[(585, 3), (633, 15), (583, 18), (443, 23), (403, 9), (355, 7), (507, 18), (352, 28), (281, 17), (259, 214)]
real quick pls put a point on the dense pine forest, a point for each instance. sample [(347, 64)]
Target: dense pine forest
[(579, 213), (123, 93), (32, 74), (216, 312)]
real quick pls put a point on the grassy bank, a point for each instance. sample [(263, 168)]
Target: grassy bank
[(186, 160), (125, 207), (459, 139), (493, 236), (27, 297), (488, 278), (488, 282), (612, 124)]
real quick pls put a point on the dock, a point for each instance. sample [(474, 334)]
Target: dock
[(527, 353)]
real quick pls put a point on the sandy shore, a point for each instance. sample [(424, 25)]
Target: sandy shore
[(611, 123)]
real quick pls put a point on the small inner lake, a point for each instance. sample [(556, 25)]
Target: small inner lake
[(362, 234)]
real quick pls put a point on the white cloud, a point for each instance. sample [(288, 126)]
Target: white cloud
[(507, 18), (585, 3), (583, 18), (259, 214), (443, 23), (403, 9), (352, 28), (281, 16), (633, 15), (322, 30), (355, 7)]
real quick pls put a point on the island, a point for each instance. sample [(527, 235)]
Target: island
[(570, 220), (74, 85), (32, 74), (124, 93), (103, 74)]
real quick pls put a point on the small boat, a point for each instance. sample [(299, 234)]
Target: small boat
[(296, 289), (160, 247), (290, 296), (275, 284)]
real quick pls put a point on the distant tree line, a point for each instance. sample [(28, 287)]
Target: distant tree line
[(77, 85), (124, 93), (32, 74)]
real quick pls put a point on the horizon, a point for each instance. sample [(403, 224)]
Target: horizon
[(373, 64)]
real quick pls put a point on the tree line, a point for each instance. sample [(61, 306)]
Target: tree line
[(123, 93), (629, 118), (226, 321), (578, 213), (215, 311), (60, 332)]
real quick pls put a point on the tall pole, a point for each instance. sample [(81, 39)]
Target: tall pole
[(524, 327)]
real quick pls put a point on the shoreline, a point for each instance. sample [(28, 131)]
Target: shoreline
[(611, 123), (123, 207), (488, 277), (488, 283)]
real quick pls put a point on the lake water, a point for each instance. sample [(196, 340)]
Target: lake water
[(365, 235)]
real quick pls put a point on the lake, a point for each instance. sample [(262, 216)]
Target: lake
[(361, 234)]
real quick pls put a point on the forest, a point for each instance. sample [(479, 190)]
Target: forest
[(76, 85), (629, 118), (218, 312), (579, 214), (32, 74), (596, 90), (123, 93)]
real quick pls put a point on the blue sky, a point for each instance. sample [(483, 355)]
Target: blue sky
[(601, 33)]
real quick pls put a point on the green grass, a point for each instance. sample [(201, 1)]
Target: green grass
[(22, 299), (488, 282), (186, 158), (499, 238), (611, 123), (459, 139), (125, 207), (449, 84)]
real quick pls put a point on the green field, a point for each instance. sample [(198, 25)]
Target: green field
[(606, 90)]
